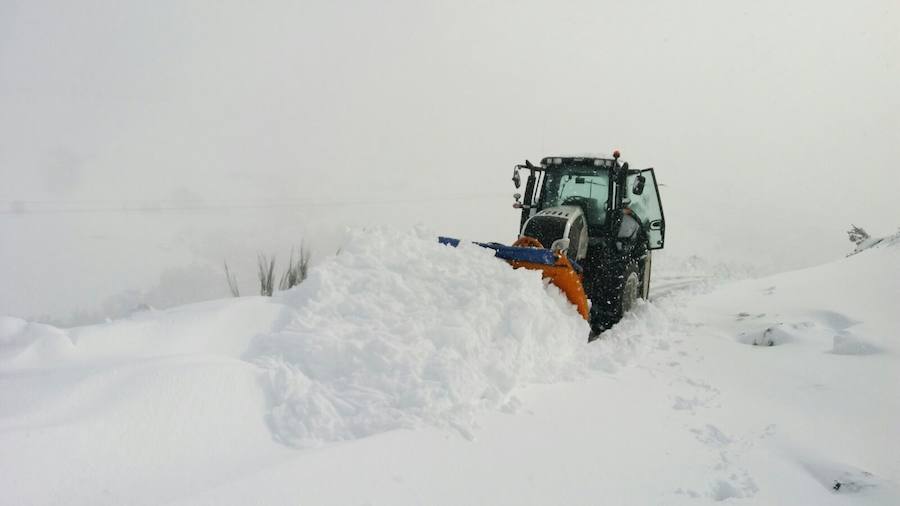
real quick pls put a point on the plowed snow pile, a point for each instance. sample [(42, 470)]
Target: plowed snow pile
[(397, 330)]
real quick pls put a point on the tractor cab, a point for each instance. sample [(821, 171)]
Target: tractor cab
[(599, 193)]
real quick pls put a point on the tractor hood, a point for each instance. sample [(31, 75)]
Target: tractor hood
[(560, 222)]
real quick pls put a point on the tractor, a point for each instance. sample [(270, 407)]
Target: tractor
[(604, 217), (589, 224)]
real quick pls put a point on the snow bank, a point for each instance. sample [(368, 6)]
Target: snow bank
[(398, 331)]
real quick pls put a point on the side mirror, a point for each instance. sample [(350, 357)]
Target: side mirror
[(638, 187), (517, 204), (516, 179), (560, 245)]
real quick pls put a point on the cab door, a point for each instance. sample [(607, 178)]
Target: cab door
[(647, 206)]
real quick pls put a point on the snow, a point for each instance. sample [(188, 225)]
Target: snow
[(407, 372)]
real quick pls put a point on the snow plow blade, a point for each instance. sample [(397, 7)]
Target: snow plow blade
[(528, 253)]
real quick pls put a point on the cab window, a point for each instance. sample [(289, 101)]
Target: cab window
[(588, 190)]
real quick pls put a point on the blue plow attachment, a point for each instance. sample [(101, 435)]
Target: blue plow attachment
[(533, 255)]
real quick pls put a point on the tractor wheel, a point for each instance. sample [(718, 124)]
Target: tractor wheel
[(618, 297), (631, 289)]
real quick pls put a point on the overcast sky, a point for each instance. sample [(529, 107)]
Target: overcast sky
[(772, 124)]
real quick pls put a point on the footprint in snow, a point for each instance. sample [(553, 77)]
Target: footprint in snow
[(768, 432), (710, 435), (732, 481), (737, 487), (690, 493), (682, 404), (770, 336), (702, 385), (746, 316)]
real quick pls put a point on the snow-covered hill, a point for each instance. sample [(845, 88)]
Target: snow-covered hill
[(406, 372)]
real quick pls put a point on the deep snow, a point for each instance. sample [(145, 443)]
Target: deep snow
[(403, 371)]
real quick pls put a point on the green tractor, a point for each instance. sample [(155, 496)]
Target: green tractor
[(606, 217)]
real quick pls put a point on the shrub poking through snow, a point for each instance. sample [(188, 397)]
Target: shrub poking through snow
[(266, 274), (857, 234), (296, 270)]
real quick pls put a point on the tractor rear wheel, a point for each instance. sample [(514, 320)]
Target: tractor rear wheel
[(631, 290), (619, 294)]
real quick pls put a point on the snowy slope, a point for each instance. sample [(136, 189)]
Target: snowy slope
[(405, 372)]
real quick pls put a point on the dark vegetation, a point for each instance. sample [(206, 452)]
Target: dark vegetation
[(293, 275)]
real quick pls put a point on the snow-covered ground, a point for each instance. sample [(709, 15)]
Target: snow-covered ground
[(406, 372)]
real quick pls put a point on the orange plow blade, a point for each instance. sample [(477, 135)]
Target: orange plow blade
[(562, 274)]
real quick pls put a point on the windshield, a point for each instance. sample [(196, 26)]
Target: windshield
[(580, 187)]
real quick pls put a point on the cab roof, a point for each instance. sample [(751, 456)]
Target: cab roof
[(579, 160)]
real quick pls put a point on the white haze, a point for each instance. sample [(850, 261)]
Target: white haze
[(773, 126)]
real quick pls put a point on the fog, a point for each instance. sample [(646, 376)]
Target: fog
[(144, 143)]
